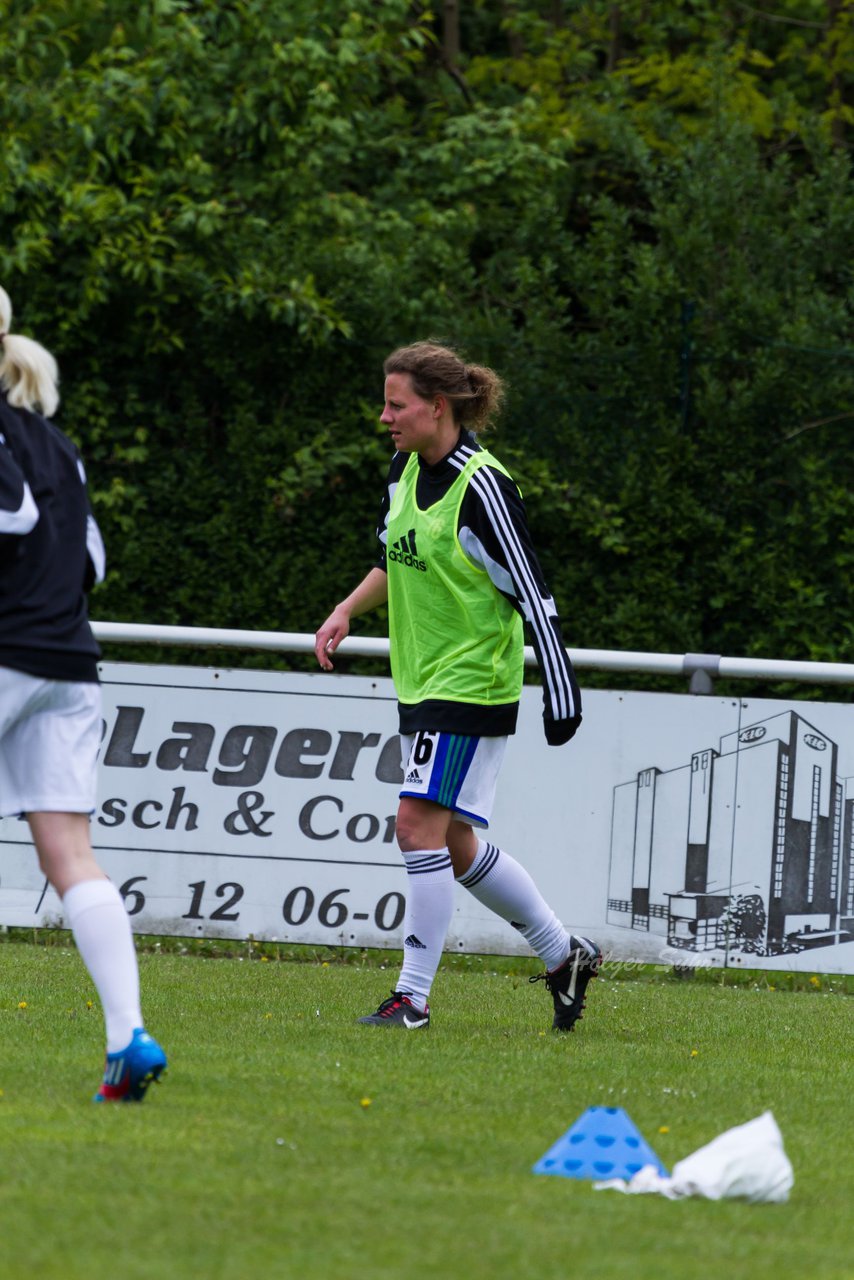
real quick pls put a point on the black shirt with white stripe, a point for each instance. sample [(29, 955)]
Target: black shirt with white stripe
[(51, 552), (493, 532)]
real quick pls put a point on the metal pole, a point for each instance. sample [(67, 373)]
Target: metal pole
[(669, 664)]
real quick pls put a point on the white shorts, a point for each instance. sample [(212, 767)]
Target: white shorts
[(50, 733), (458, 772)]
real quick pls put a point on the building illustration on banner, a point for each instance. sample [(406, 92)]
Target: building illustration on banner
[(748, 848)]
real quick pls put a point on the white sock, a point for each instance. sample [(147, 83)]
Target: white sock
[(429, 907), (96, 916), (500, 883)]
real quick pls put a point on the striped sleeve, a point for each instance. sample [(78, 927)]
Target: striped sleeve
[(96, 554), (18, 511), (494, 533)]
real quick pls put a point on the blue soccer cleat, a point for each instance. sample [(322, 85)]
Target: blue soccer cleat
[(128, 1074)]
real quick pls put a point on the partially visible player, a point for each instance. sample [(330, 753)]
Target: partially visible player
[(459, 572), (51, 554)]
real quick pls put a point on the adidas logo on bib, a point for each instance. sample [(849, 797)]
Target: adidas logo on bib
[(405, 552)]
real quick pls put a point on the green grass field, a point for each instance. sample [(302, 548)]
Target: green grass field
[(289, 1141)]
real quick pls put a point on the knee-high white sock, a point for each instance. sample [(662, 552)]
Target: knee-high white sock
[(429, 907), (500, 883), (96, 916)]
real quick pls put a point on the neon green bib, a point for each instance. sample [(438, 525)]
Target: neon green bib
[(453, 636)]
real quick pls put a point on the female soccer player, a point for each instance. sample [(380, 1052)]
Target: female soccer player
[(460, 574), (51, 554)]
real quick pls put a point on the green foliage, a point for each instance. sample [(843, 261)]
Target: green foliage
[(221, 216)]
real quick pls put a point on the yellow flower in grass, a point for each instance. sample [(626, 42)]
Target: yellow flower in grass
[(22, 1004), (664, 1128), (815, 981), (695, 1053), (366, 1102)]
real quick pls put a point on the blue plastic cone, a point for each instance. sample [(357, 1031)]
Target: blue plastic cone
[(603, 1143)]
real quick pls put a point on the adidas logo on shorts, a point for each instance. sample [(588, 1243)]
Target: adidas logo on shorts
[(414, 778)]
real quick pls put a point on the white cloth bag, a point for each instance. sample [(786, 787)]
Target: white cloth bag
[(746, 1163)]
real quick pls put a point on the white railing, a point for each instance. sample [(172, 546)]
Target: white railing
[(700, 668)]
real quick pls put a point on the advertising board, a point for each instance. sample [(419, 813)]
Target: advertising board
[(674, 829)]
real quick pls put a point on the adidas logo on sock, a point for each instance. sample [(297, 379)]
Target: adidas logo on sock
[(412, 941), (414, 776)]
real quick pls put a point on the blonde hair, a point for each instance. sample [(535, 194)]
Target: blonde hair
[(474, 392), (28, 372)]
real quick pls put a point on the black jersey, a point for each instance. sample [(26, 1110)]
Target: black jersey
[(51, 552), (494, 534)]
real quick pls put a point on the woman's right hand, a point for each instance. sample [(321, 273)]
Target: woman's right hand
[(326, 641)]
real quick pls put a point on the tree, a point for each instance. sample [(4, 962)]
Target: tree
[(221, 216)]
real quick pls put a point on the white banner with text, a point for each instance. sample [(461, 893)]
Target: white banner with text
[(673, 829)]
